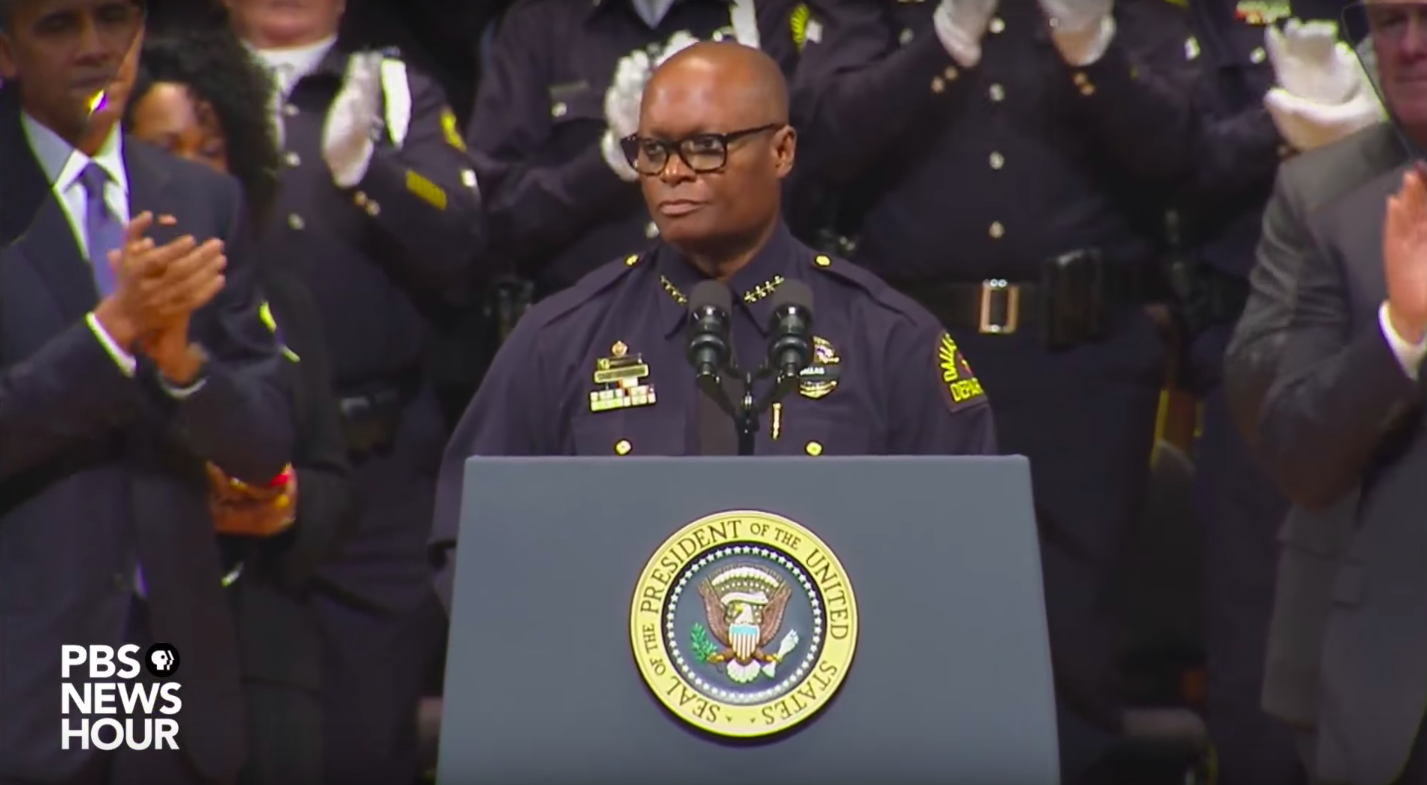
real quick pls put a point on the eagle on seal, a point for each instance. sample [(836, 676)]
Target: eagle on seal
[(744, 626)]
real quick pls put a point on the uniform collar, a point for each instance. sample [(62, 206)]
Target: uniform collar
[(291, 65), (752, 285)]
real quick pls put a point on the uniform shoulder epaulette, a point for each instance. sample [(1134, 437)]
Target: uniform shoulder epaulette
[(587, 288), (866, 280)]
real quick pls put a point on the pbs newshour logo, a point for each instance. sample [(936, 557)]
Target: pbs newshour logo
[(107, 703)]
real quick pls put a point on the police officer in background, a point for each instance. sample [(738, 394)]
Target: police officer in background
[(991, 158), (1266, 93), (712, 147), (378, 215), (561, 88)]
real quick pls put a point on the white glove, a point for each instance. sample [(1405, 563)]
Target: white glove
[(347, 143), (676, 43), (1309, 61), (960, 24), (1307, 125), (1080, 29), (621, 109)]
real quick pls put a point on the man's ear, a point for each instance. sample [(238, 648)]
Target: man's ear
[(785, 148), (9, 69)]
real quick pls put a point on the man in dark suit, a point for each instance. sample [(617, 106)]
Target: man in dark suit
[(126, 363), (1322, 372)]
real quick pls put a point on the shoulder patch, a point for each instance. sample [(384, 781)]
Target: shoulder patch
[(956, 377)]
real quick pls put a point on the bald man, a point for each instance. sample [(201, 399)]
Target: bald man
[(712, 150)]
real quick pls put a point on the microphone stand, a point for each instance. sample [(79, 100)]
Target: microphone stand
[(750, 408)]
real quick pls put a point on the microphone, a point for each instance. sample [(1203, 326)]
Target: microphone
[(708, 329), (790, 345)]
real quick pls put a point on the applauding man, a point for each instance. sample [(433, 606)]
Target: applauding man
[(132, 354)]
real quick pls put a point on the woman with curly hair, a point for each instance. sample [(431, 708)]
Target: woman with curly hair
[(199, 96)]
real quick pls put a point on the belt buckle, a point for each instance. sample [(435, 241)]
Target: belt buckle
[(998, 291)]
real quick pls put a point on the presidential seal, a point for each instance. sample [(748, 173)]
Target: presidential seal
[(743, 624)]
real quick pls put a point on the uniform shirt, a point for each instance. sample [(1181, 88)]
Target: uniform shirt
[(410, 231), (1240, 148), (556, 208), (965, 174), (886, 380)]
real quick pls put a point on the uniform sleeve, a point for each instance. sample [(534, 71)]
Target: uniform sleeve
[(239, 418), (536, 201), (510, 415), (938, 406), (1133, 98), (857, 91), (423, 196), (1331, 396), (1235, 155)]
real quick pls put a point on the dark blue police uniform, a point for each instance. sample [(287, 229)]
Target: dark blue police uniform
[(556, 208), (1009, 198), (1237, 504), (370, 255), (890, 380)]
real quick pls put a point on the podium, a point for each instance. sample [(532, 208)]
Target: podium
[(603, 605)]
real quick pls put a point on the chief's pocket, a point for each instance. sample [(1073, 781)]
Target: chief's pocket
[(633, 431), (805, 433)]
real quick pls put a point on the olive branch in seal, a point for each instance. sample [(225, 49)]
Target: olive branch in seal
[(704, 649)]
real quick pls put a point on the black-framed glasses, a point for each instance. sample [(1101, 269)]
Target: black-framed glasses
[(702, 153)]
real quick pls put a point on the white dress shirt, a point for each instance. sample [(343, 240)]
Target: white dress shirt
[(1409, 355), (63, 165)]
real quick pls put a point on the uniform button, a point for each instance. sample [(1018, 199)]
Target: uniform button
[(1087, 90), (997, 230), (360, 198), (292, 159), (718, 35), (950, 73), (906, 37), (997, 92), (289, 109), (651, 231), (631, 261), (622, 447), (559, 109), (295, 221), (822, 261), (997, 24), (997, 160), (468, 178), (813, 448), (373, 209), (1258, 55), (938, 84), (1080, 78)]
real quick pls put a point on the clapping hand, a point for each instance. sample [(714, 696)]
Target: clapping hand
[(960, 25), (621, 108), (1072, 17), (251, 511), (347, 144), (156, 289), (1310, 62), (1404, 256)]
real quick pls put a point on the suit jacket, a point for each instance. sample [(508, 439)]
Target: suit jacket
[(1336, 421), (277, 633), (100, 470)]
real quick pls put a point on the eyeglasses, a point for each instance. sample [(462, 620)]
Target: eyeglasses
[(702, 153)]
